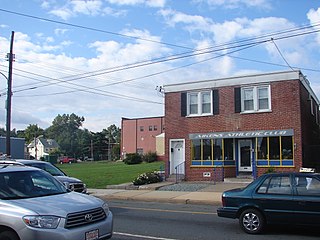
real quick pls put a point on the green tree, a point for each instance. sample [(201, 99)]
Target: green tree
[(31, 132), (2, 132), (64, 130), (113, 135)]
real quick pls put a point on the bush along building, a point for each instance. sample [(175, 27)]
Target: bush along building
[(241, 126)]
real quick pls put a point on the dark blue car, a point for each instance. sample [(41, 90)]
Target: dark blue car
[(277, 198)]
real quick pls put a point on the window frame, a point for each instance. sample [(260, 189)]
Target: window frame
[(200, 103), (255, 98)]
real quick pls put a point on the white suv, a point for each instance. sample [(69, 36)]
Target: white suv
[(36, 206)]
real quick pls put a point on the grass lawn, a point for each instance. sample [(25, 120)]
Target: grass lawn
[(102, 173)]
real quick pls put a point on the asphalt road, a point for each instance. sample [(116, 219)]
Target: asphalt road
[(161, 221)]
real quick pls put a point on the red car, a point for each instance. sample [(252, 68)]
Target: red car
[(66, 160)]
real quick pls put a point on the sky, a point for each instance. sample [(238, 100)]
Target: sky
[(108, 59)]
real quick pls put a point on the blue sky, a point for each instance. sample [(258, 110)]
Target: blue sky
[(105, 59)]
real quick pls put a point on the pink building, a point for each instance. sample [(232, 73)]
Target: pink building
[(138, 135)]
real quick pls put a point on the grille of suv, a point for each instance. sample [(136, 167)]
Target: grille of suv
[(77, 187), (84, 217)]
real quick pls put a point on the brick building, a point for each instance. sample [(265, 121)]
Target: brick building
[(142, 135), (241, 126)]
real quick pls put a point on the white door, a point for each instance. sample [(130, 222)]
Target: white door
[(177, 156), (245, 156)]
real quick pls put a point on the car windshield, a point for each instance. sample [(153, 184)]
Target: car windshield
[(54, 171), (28, 184)]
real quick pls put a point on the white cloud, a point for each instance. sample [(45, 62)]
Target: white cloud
[(89, 97), (314, 18), (193, 22), (63, 13), (60, 31), (92, 7), (233, 4), (149, 3)]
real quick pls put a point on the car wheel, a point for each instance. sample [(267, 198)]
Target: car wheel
[(8, 235), (251, 221)]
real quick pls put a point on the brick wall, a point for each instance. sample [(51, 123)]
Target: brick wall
[(287, 99), (132, 138)]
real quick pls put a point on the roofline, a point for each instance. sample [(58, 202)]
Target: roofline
[(124, 118), (242, 80)]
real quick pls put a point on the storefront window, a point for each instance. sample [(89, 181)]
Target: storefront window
[(196, 149), (275, 151), (212, 152), (207, 149), (262, 148), (287, 148), (274, 148), (228, 149)]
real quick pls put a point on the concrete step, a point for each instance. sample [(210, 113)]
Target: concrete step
[(238, 180)]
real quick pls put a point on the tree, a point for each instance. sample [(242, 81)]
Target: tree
[(64, 130), (112, 134), (31, 132), (2, 132)]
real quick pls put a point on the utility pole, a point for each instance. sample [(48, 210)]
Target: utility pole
[(9, 95)]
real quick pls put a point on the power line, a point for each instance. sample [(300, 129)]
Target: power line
[(90, 28), (281, 54)]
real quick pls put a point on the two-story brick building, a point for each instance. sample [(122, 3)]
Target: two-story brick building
[(142, 135), (241, 125)]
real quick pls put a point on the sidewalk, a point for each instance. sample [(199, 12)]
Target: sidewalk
[(149, 193)]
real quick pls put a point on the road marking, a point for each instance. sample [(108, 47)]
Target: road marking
[(141, 236), (163, 210)]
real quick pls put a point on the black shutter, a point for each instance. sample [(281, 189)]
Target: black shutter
[(183, 104), (237, 100), (215, 101)]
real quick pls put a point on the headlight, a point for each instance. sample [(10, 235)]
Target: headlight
[(42, 221), (105, 208)]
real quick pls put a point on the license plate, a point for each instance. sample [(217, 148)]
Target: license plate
[(92, 235)]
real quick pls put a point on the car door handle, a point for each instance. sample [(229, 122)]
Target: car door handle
[(302, 203)]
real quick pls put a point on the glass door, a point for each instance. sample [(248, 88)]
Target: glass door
[(245, 156)]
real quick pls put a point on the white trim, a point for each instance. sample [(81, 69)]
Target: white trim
[(199, 103), (233, 81), (255, 99)]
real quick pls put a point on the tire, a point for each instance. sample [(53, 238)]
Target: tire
[(8, 235), (252, 221)]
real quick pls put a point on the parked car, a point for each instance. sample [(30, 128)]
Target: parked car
[(278, 198), (35, 206), (71, 183), (69, 160)]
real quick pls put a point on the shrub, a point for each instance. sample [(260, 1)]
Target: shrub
[(150, 157), (132, 158), (147, 178)]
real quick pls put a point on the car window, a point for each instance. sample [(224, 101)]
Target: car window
[(308, 186), (28, 184), (49, 168), (276, 185)]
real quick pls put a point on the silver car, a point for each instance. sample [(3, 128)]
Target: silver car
[(71, 183), (36, 206)]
